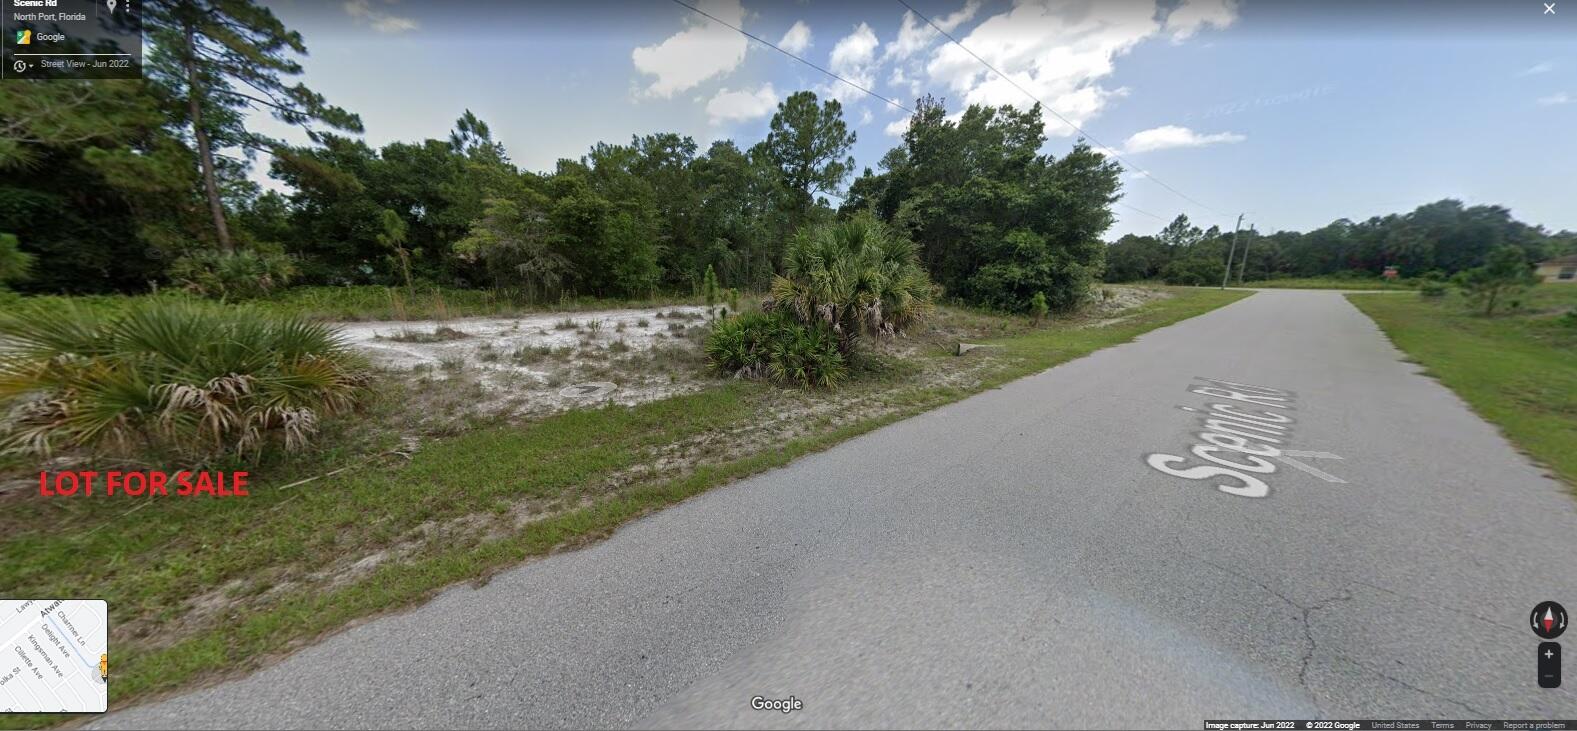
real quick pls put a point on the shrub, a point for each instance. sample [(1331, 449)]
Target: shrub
[(1505, 274), (1022, 263), (193, 377), (774, 346), (854, 276), (1194, 271), (1431, 288), (244, 274), (1038, 307)]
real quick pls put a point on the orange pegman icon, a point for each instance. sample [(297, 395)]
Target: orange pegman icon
[(104, 666)]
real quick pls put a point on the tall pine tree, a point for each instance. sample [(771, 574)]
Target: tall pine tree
[(219, 59)]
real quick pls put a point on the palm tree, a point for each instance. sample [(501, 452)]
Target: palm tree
[(856, 276)]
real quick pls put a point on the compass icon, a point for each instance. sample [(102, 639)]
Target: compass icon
[(1548, 620)]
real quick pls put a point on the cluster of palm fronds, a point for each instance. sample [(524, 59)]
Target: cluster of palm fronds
[(776, 347), (170, 374), (238, 275), (857, 276)]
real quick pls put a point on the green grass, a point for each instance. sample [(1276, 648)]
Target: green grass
[(1519, 371), (149, 565), (1374, 283)]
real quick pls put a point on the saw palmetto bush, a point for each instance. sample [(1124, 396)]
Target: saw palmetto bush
[(776, 347), (239, 275), (169, 375), (855, 276)]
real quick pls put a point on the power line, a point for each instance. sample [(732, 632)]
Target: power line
[(873, 94), (1140, 210), (1109, 149), (796, 57)]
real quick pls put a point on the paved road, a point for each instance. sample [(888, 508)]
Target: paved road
[(1012, 560)]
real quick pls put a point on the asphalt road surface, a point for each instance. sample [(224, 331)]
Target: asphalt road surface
[(1013, 560)]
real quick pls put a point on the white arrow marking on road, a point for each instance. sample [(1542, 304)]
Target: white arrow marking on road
[(1287, 457)]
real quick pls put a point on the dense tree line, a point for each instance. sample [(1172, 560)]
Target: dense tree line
[(1445, 237), (159, 194), (120, 186)]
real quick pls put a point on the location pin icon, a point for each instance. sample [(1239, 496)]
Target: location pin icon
[(111, 4)]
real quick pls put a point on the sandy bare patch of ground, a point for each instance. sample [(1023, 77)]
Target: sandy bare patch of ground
[(1112, 299), (537, 364)]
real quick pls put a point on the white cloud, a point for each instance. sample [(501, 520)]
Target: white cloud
[(855, 49), (1169, 136), (853, 58), (738, 106), (394, 24), (797, 39), (1187, 19), (383, 22), (897, 127), (1559, 97), (702, 50), (950, 23), (915, 35), (1057, 54), (1542, 67), (1060, 53)]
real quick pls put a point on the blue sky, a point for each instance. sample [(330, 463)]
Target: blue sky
[(1297, 113)]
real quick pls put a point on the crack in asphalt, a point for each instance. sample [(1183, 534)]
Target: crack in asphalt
[(1304, 612), (1311, 645)]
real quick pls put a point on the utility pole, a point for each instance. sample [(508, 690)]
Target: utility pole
[(1232, 252), (1246, 243)]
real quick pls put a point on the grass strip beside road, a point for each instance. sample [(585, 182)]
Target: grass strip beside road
[(176, 550), (1517, 371)]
